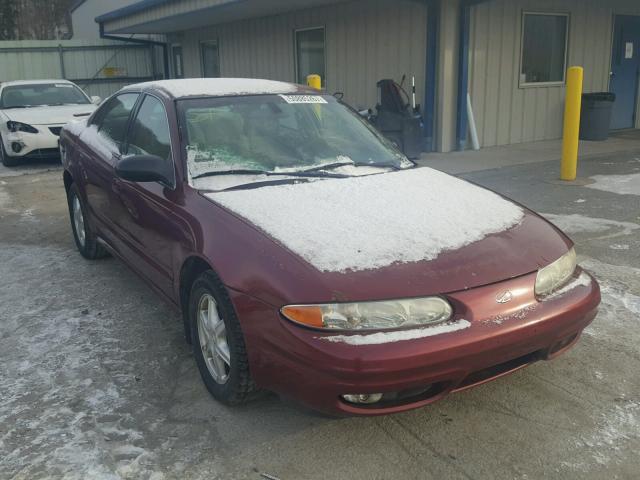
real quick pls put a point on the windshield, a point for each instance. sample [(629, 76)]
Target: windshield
[(279, 134), (38, 94)]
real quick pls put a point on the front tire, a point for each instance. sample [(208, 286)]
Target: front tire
[(86, 240), (7, 161), (218, 342)]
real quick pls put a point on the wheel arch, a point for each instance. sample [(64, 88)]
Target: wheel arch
[(67, 178), (192, 267)]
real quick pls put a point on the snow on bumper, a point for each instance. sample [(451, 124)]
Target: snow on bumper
[(499, 339)]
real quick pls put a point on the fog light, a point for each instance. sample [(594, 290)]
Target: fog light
[(365, 398), (16, 146)]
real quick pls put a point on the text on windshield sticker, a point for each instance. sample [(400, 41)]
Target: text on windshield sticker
[(303, 99)]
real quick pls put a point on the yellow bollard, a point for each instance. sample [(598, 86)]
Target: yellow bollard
[(573, 104), (314, 81)]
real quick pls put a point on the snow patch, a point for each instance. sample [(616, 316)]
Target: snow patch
[(219, 87), (399, 336), (76, 127), (576, 223), (98, 142), (583, 280), (620, 184), (374, 221), (619, 246)]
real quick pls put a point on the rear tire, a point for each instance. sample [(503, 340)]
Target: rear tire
[(7, 161), (218, 342), (86, 240)]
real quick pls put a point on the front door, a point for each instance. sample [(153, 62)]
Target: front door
[(625, 69), (143, 212)]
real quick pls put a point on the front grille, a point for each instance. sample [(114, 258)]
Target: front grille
[(495, 371), (55, 130)]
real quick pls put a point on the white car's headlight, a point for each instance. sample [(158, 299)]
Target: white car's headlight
[(556, 274), (20, 127), (371, 315)]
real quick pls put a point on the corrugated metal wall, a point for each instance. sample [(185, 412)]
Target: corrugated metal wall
[(366, 40), (83, 62), (506, 113)]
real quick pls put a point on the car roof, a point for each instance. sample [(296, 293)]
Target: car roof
[(220, 87), (31, 82)]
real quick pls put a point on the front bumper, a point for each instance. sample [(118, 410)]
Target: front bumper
[(301, 363), (36, 145)]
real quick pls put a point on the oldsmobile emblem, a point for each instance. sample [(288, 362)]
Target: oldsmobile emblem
[(504, 297)]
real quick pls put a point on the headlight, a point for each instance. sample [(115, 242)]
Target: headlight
[(371, 315), (556, 274), (20, 127)]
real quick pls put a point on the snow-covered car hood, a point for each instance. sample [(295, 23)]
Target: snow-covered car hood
[(423, 229), (55, 115)]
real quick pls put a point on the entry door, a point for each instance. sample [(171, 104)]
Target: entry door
[(210, 59), (625, 69)]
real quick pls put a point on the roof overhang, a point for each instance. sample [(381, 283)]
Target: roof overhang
[(166, 16)]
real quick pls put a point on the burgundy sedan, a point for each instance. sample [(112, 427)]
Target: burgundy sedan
[(308, 256)]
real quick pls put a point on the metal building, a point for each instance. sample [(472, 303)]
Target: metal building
[(510, 56)]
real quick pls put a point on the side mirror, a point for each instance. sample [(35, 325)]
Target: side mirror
[(144, 168), (96, 100)]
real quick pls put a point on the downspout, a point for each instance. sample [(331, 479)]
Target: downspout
[(433, 20), (165, 50), (462, 120)]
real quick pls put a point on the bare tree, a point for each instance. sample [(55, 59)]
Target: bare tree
[(34, 19)]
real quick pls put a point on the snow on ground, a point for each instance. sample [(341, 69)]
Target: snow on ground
[(628, 184), (620, 308), (374, 221), (616, 326), (576, 223), (61, 407)]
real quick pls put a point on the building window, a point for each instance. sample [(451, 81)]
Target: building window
[(544, 48), (210, 59), (310, 54), (176, 61)]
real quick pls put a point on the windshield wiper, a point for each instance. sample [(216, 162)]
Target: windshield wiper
[(327, 166), (216, 173), (16, 106), (266, 173), (331, 166)]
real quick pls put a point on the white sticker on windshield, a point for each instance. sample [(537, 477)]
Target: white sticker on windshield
[(303, 99), (65, 85)]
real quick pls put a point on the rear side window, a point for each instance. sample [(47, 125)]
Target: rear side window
[(111, 120)]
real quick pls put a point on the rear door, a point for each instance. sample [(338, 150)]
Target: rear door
[(625, 68)]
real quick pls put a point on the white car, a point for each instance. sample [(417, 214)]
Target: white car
[(32, 112)]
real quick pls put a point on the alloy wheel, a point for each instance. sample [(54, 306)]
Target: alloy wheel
[(78, 220), (212, 333)]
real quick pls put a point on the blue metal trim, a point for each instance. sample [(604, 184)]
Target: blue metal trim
[(462, 122), (130, 10), (431, 64)]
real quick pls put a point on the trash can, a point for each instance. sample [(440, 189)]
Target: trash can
[(595, 116)]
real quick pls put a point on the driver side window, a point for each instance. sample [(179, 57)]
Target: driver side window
[(111, 121)]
